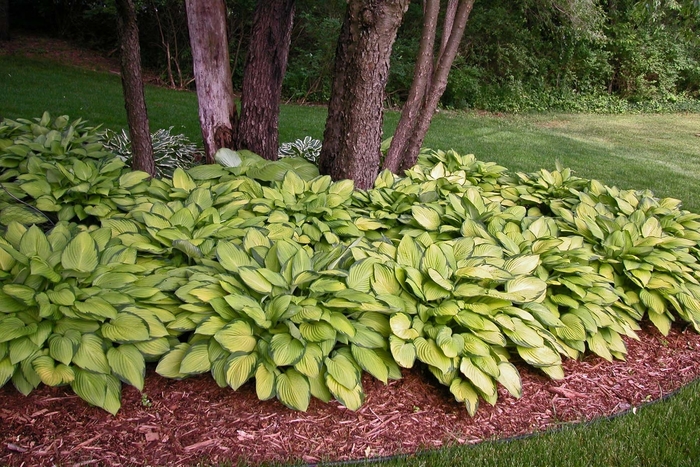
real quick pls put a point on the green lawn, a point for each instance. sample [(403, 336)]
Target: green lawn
[(658, 152)]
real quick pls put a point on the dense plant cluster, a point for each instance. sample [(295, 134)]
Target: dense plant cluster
[(258, 270)]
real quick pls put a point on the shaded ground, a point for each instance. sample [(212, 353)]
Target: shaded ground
[(182, 422)]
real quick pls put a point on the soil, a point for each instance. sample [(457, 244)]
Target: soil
[(184, 422)]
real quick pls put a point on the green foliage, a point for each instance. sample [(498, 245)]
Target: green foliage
[(308, 148), (265, 271), (169, 151)]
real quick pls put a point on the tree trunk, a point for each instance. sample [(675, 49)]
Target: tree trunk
[(262, 80), (415, 120), (4, 20), (353, 135), (206, 21), (132, 82)]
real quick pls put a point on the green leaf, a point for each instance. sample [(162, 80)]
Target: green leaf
[(95, 306), (90, 354), (126, 328), (401, 326), (255, 280), (464, 392), (94, 388), (483, 382), (522, 265), (265, 382), (169, 365), (293, 390), (539, 356), (20, 349), (426, 217), (351, 398), (127, 364), (285, 350), (52, 374), (62, 348), (240, 368), (80, 254), (371, 363), (7, 369), (236, 337), (196, 360), (526, 289), (343, 370), (311, 362), (407, 253), (403, 352), (132, 178), (232, 257), (429, 352)]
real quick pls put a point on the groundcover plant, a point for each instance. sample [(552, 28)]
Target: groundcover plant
[(258, 270)]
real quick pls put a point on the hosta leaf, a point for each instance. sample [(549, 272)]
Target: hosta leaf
[(573, 329), (408, 254), (426, 217), (510, 379), (661, 321), (182, 180), (540, 356), (90, 354), (93, 388), (62, 348), (524, 335), (240, 368), (20, 292), (401, 326), (599, 346), (126, 328), (7, 369), (435, 259), (343, 371), (20, 349), (255, 280), (196, 360), (483, 382), (285, 350), (52, 374), (132, 178), (317, 331), (153, 349), (293, 390), (464, 392), (232, 257), (429, 352), (265, 382), (360, 275), (169, 365), (211, 325), (127, 364), (342, 324), (351, 398), (95, 306), (311, 362), (403, 352), (526, 289), (236, 337), (521, 265), (63, 297), (80, 254), (385, 281), (371, 363)]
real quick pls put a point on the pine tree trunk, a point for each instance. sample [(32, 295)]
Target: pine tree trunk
[(132, 82), (262, 81), (353, 134), (206, 22)]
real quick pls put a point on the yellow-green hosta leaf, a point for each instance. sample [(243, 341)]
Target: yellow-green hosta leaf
[(236, 337), (196, 360), (21, 348), (293, 390), (232, 257), (360, 275), (23, 293), (62, 348), (451, 345), (169, 365), (661, 321), (311, 362), (510, 378), (342, 324), (343, 370), (152, 349), (265, 382), (521, 265), (428, 352), (132, 178), (317, 331), (35, 243), (95, 306), (90, 354), (483, 382), (211, 325), (256, 281), (526, 289), (653, 300), (94, 388), (183, 181), (401, 326), (540, 356), (52, 374), (285, 349), (126, 328), (351, 398), (475, 346), (435, 259), (127, 364), (366, 337), (599, 346), (403, 352), (240, 368), (371, 363), (385, 281), (524, 335), (428, 218), (573, 329), (7, 369), (80, 254), (464, 392), (408, 253), (326, 285)]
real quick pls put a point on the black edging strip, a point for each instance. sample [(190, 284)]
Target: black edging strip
[(556, 429)]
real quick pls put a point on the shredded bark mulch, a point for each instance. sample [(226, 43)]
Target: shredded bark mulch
[(184, 422)]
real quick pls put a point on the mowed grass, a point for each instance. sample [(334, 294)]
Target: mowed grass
[(657, 152)]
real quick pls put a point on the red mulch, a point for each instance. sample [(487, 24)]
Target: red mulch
[(194, 419)]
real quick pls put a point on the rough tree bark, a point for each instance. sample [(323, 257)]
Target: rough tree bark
[(206, 21), (132, 83), (262, 80), (4, 20), (429, 82), (353, 135)]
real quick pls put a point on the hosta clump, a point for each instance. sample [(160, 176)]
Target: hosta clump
[(169, 151), (293, 318), (60, 168), (307, 148), (79, 308)]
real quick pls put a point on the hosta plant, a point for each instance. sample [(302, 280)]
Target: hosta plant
[(307, 148)]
